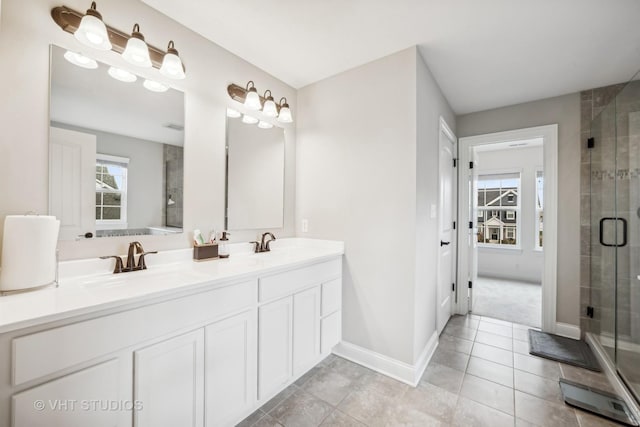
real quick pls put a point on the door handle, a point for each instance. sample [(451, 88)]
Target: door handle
[(444, 243), (624, 233)]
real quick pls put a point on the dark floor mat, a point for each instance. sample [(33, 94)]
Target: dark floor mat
[(562, 349), (596, 401)]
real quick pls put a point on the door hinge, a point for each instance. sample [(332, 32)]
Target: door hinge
[(591, 142), (453, 287), (470, 225), (455, 162), (454, 225), (470, 284), (470, 165), (590, 312)]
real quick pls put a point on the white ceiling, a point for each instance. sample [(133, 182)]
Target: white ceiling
[(483, 53), (94, 100)]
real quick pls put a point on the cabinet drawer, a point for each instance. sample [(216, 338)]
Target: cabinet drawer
[(331, 296), (289, 282), (83, 341)]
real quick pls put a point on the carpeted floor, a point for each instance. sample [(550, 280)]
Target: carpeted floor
[(510, 300)]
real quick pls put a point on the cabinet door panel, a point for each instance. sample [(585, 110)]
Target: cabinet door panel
[(90, 397), (169, 382), (274, 345), (331, 331), (231, 377), (306, 329)]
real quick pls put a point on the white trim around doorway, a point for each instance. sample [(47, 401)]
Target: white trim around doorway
[(549, 134)]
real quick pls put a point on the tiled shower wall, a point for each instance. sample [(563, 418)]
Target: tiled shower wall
[(610, 179), (593, 103), (173, 184)]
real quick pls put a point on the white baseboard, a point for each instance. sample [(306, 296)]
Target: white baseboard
[(567, 330), (401, 371)]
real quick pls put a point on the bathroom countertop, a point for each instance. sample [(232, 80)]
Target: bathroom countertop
[(88, 286)]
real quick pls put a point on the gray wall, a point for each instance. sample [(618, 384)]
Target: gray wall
[(565, 111), (366, 175), (525, 263), (27, 32)]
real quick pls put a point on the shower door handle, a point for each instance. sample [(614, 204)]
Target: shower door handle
[(624, 232)]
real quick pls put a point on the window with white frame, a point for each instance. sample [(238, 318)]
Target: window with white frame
[(498, 204), (111, 192), (539, 208)]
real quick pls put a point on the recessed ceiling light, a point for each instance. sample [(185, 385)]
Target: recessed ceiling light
[(122, 75), (155, 86), (80, 60)]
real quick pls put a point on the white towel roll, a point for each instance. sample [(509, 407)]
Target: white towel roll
[(28, 251)]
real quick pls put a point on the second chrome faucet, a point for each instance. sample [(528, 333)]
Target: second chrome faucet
[(262, 245)]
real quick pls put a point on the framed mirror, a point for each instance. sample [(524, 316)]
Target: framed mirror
[(115, 151), (255, 176)]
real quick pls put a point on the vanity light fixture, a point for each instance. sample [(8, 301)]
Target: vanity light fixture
[(285, 112), (92, 34), (249, 97), (122, 75), (171, 64), (264, 125), (252, 99), (234, 114), (92, 31), (80, 60), (155, 86), (250, 120), (269, 109), (137, 51)]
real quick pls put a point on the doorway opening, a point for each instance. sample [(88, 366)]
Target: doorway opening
[(508, 189)]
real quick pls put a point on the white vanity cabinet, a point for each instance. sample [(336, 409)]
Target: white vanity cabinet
[(205, 358), (169, 382)]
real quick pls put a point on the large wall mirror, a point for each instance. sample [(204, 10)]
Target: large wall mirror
[(255, 176), (115, 151)]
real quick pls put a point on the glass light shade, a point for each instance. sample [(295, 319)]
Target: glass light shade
[(122, 75), (252, 100), (80, 60), (285, 114), (92, 32), (154, 86), (269, 108), (264, 125), (250, 120), (172, 66), (234, 114), (137, 53)]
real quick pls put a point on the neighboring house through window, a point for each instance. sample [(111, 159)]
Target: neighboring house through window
[(499, 210), (111, 192)]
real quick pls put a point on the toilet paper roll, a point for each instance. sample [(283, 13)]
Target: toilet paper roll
[(28, 252)]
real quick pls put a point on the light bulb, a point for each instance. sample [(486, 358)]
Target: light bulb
[(171, 64), (155, 86), (250, 120), (234, 114), (122, 75), (137, 51), (80, 60), (92, 31)]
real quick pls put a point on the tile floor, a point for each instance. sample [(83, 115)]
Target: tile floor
[(480, 375), (508, 300)]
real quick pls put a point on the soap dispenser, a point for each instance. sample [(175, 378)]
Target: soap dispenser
[(223, 245)]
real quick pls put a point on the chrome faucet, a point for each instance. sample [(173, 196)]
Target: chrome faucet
[(263, 246), (135, 248)]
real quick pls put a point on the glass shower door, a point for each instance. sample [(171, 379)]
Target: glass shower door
[(627, 106)]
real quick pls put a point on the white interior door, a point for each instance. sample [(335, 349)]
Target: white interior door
[(446, 218), (473, 238), (72, 181)]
